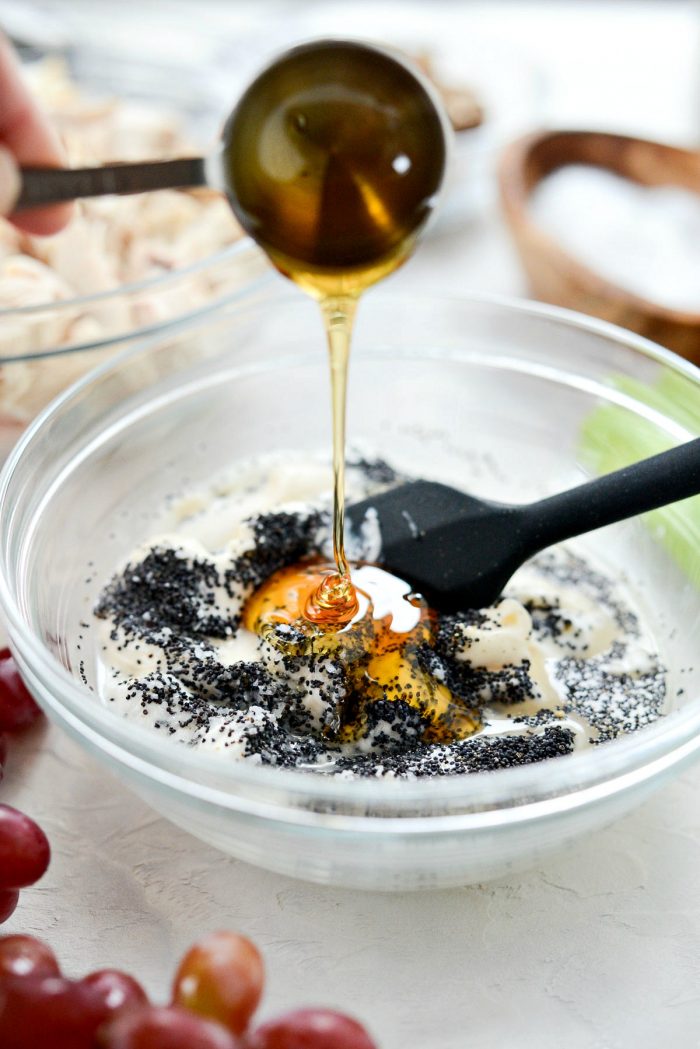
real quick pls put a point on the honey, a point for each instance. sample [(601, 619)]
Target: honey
[(379, 651), (334, 159)]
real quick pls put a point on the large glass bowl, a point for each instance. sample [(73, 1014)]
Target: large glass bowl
[(515, 400)]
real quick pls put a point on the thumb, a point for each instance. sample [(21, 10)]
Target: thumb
[(9, 181)]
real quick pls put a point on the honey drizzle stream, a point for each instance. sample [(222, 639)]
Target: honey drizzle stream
[(338, 317), (335, 601), (333, 159)]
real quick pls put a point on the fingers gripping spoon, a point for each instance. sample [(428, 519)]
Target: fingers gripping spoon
[(459, 552)]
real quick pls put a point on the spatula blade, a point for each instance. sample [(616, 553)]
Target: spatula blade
[(456, 550)]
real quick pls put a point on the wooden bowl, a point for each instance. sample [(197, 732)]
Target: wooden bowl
[(557, 277)]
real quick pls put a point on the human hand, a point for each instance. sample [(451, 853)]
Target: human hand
[(26, 137)]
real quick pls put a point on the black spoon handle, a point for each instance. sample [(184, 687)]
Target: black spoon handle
[(643, 486), (42, 186)]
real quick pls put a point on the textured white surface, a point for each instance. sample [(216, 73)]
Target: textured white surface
[(598, 949)]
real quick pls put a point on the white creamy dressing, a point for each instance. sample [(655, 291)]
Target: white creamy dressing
[(212, 526)]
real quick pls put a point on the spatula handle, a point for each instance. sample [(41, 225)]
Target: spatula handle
[(646, 485), (42, 186)]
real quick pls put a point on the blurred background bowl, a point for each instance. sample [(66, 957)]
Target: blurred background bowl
[(124, 267), (557, 276), (48, 346)]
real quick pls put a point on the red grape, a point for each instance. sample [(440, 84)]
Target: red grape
[(48, 1011), (116, 990), (24, 849), (8, 902), (157, 1027), (311, 1029), (17, 708), (221, 978), (26, 956), (3, 751)]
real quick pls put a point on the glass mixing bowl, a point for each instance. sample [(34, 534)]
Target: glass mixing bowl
[(516, 400)]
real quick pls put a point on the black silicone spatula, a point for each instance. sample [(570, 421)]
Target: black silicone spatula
[(459, 552)]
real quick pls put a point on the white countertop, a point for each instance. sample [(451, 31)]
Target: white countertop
[(596, 949)]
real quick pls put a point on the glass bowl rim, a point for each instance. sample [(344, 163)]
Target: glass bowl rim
[(565, 783)]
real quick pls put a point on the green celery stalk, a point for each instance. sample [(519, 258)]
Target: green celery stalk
[(612, 437)]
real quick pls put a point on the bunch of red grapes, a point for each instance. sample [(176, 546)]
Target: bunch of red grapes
[(24, 848), (215, 991)]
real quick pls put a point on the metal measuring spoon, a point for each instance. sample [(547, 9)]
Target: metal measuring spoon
[(335, 152)]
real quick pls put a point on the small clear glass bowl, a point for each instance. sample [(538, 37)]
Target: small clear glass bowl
[(516, 400), (40, 361), (47, 343)]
